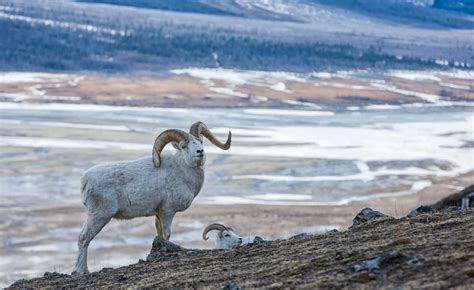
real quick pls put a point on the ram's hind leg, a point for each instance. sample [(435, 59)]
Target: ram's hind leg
[(91, 228)]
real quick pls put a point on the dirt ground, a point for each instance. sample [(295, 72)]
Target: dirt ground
[(432, 251)]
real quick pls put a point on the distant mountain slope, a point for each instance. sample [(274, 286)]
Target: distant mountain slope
[(419, 12), (413, 12), (172, 5), (465, 6), (293, 35)]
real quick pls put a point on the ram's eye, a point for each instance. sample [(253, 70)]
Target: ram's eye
[(184, 146), (227, 235)]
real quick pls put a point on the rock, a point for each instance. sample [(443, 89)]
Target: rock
[(376, 262), (162, 247), (420, 210), (258, 239), (231, 286), (298, 236), (366, 215), (17, 283), (195, 251), (53, 274)]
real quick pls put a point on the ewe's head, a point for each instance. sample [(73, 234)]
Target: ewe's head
[(189, 144), (225, 239)]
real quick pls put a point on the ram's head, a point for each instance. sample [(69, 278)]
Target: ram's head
[(225, 239), (190, 144)]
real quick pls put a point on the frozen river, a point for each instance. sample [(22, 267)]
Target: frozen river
[(277, 156)]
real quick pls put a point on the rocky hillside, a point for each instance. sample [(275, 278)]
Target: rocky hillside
[(430, 250)]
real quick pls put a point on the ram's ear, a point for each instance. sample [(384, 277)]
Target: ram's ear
[(175, 145)]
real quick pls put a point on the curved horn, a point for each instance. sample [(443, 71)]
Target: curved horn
[(211, 227), (199, 128), (164, 138)]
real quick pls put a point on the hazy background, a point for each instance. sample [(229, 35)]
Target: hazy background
[(333, 106)]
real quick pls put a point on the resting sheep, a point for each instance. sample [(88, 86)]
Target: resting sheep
[(225, 239), (156, 186)]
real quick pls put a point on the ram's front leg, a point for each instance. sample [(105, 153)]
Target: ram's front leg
[(163, 221), (159, 225), (167, 221)]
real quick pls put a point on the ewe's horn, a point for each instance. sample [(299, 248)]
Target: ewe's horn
[(199, 128), (211, 227), (164, 138)]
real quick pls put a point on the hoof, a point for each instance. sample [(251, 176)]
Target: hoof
[(75, 273)]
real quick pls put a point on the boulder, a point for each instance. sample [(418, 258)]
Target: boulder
[(162, 248), (368, 214)]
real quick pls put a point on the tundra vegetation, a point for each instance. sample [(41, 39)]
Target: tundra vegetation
[(432, 250)]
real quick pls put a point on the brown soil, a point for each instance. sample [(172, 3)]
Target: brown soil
[(434, 250)]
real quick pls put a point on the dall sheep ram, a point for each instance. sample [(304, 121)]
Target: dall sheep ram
[(157, 186), (225, 239)]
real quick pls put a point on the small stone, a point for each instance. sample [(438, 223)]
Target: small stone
[(53, 274), (258, 239), (376, 262), (419, 210), (298, 237), (231, 286)]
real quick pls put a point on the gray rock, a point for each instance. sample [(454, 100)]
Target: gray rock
[(382, 261), (298, 237), (53, 274), (368, 214), (195, 251), (162, 248), (231, 286), (420, 210), (18, 282), (376, 262), (258, 239)]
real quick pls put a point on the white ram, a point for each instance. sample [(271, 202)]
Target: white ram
[(225, 238), (157, 186)]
